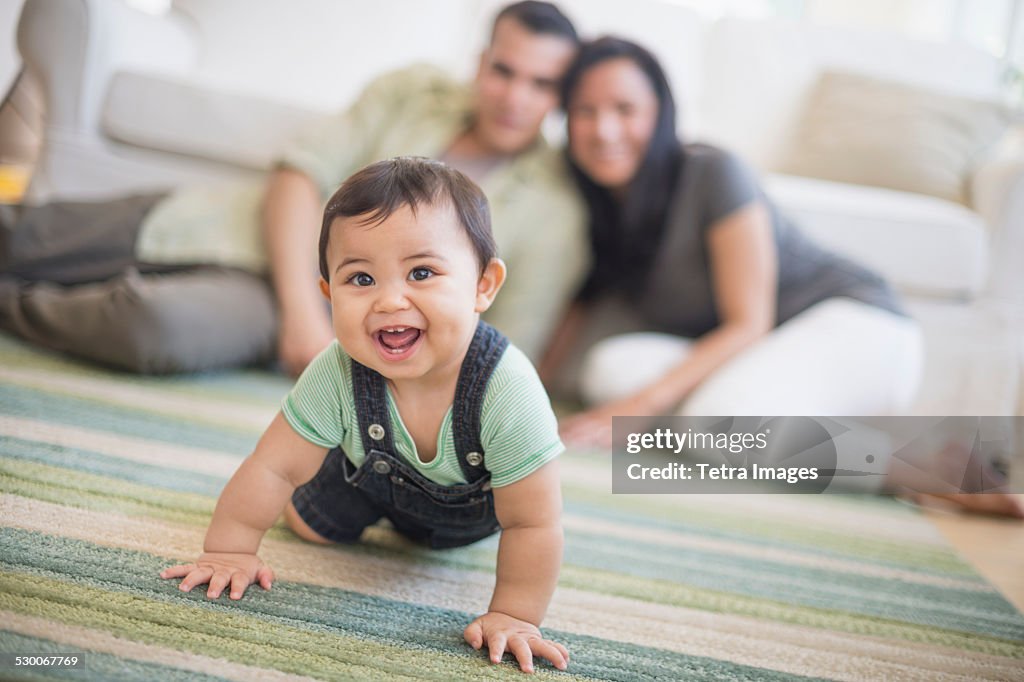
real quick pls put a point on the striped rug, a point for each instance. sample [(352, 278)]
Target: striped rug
[(107, 478)]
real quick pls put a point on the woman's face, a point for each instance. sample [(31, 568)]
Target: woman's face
[(612, 115)]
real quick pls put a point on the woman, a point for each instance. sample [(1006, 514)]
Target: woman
[(749, 316)]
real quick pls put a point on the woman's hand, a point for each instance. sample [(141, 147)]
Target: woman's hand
[(220, 569), (593, 427)]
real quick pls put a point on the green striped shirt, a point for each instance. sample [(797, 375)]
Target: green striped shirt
[(518, 429)]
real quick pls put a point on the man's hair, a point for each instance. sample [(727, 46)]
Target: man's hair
[(380, 189), (538, 17)]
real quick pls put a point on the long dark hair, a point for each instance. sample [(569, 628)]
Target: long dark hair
[(625, 234)]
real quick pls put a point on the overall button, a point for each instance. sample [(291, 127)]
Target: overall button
[(381, 467), (376, 431), (474, 459)]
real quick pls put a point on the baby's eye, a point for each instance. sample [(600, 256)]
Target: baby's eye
[(360, 279), (420, 274)]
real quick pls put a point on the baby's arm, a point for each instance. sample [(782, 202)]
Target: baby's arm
[(529, 558), (249, 505)]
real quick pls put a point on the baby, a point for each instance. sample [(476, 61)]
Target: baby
[(419, 412)]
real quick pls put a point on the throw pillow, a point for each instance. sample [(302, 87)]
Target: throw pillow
[(869, 131)]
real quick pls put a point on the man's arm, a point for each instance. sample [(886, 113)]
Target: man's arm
[(529, 558), (291, 225)]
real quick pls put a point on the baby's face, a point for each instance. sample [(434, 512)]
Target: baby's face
[(406, 293)]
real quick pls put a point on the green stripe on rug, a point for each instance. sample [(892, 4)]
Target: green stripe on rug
[(142, 423), (110, 474), (769, 532), (927, 558), (757, 578), (895, 600), (90, 562), (86, 461), (91, 491), (321, 632), (814, 590), (822, 588)]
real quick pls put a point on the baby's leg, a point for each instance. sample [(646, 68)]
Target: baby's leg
[(301, 528), (328, 509)]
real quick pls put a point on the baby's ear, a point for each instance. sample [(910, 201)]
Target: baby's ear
[(489, 284), (325, 288)]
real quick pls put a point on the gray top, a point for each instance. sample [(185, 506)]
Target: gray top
[(678, 296)]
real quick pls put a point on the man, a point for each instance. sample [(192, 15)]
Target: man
[(176, 283)]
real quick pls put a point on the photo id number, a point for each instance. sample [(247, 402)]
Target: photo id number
[(41, 660)]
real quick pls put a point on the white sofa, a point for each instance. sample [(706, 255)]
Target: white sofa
[(211, 89)]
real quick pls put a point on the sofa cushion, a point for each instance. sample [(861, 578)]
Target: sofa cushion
[(872, 131), (158, 112), (921, 244), (757, 74)]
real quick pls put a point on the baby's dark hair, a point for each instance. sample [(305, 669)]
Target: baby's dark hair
[(380, 189)]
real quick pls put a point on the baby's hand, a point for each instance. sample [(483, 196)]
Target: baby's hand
[(500, 632), (220, 569)]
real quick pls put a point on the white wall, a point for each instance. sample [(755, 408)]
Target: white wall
[(10, 62)]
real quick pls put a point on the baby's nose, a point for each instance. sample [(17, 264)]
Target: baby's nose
[(391, 297)]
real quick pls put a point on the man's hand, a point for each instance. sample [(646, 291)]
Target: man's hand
[(300, 339), (220, 569), (499, 632)]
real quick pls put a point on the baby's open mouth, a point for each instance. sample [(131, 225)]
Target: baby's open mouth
[(397, 340)]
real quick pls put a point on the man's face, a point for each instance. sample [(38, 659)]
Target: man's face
[(517, 85)]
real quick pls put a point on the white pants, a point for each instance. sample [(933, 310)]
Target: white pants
[(841, 357)]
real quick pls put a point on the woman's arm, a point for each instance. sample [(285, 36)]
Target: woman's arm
[(744, 279), (562, 340)]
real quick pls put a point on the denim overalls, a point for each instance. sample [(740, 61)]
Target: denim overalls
[(342, 499)]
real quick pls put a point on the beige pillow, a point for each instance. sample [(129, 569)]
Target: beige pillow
[(869, 131)]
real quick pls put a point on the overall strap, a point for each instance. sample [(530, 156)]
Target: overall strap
[(371, 398), (485, 351)]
